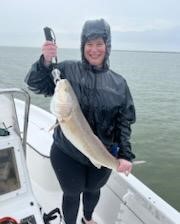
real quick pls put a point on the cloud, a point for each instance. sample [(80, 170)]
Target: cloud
[(152, 39), (133, 25)]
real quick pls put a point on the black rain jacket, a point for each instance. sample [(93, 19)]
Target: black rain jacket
[(103, 95)]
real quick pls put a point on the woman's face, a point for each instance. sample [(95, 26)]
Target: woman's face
[(94, 51)]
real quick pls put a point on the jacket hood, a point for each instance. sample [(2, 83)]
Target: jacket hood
[(93, 29)]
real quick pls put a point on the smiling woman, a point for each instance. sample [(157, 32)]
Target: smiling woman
[(94, 51), (107, 105)]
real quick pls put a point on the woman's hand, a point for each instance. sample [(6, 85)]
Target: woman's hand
[(49, 51), (125, 166)]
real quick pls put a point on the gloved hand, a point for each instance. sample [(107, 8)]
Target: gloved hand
[(49, 51)]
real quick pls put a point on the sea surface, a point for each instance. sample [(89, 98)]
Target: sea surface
[(154, 81)]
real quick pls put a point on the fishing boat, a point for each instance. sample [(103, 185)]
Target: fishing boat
[(29, 190)]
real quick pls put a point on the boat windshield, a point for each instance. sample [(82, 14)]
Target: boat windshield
[(9, 178)]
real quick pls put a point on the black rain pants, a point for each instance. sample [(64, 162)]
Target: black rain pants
[(76, 178)]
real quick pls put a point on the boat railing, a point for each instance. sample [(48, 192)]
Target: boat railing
[(12, 92)]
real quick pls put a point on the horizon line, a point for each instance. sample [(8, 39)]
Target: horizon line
[(125, 50)]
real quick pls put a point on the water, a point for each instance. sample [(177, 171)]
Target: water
[(154, 80)]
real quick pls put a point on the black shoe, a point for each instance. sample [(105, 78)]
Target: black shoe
[(82, 220)]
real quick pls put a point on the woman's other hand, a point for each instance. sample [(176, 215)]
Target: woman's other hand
[(125, 166)]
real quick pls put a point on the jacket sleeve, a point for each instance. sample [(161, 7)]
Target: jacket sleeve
[(39, 78), (126, 117)]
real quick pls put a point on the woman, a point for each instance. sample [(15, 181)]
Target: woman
[(106, 103)]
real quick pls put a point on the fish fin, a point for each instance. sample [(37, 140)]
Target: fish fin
[(60, 119), (137, 162), (67, 118), (96, 164), (53, 126)]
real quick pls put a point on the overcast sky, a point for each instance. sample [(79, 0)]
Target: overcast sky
[(135, 24)]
